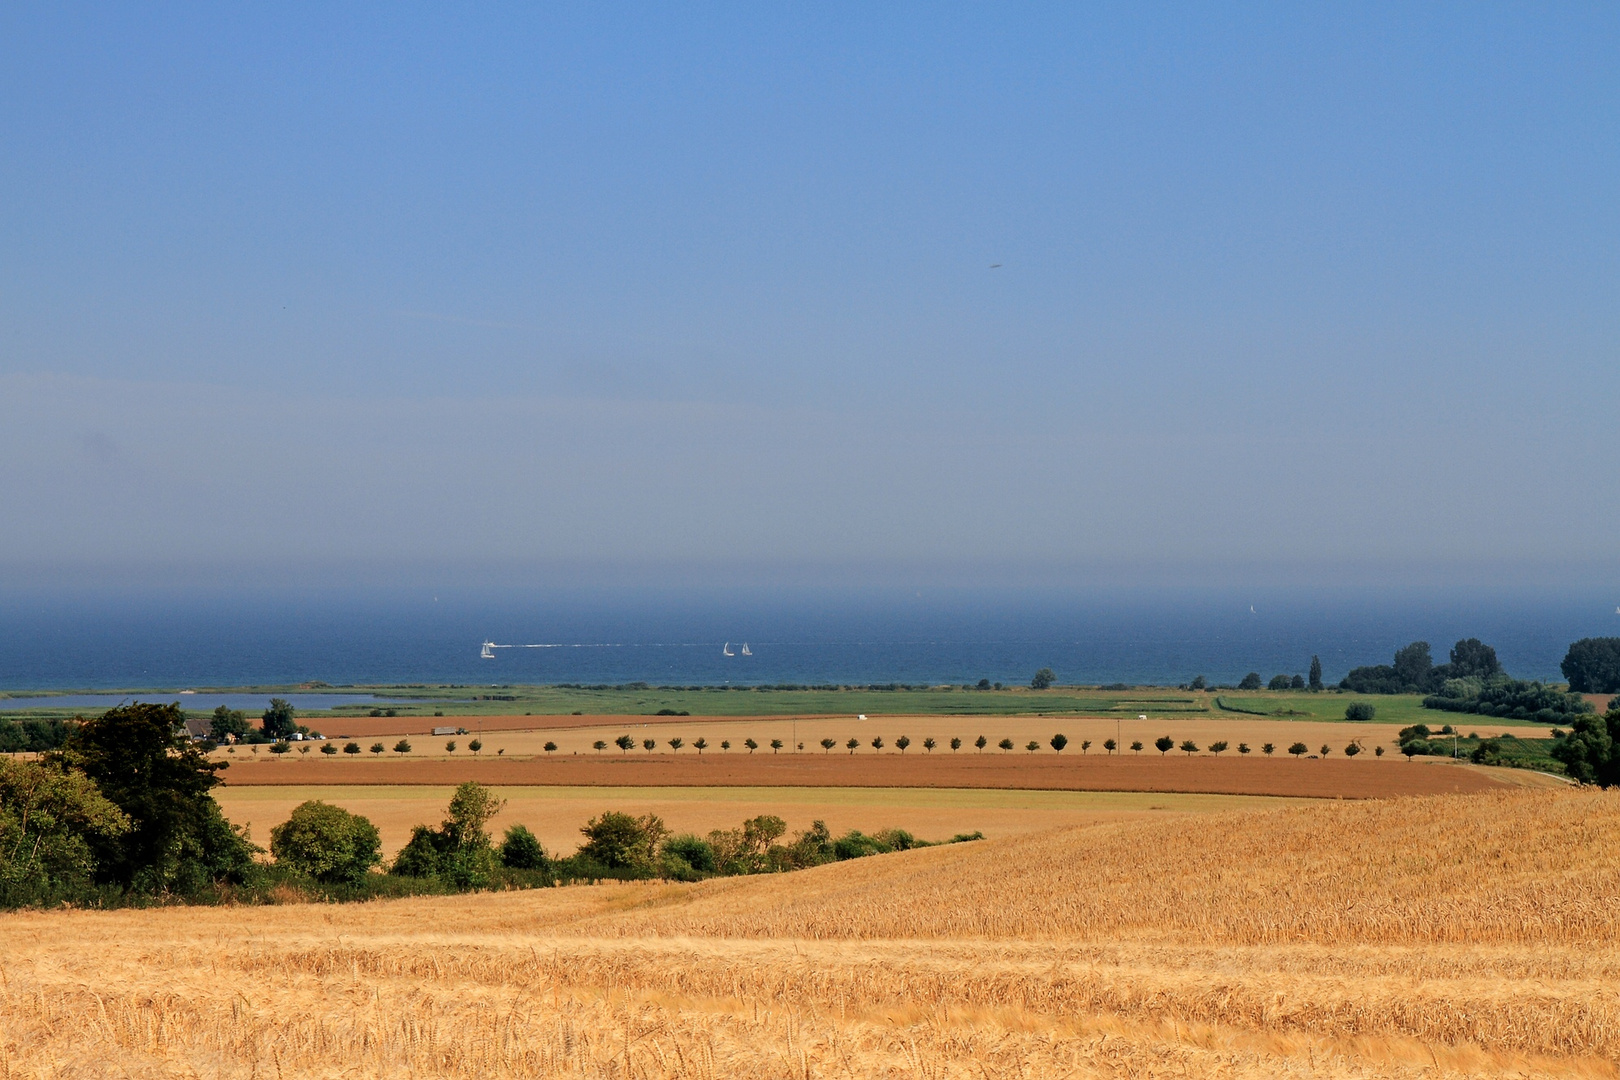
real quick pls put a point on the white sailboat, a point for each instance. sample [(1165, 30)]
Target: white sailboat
[(725, 650), (488, 651), (746, 650)]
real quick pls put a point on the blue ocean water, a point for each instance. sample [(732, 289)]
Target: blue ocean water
[(850, 637)]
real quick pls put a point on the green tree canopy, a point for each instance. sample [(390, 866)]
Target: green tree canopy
[(141, 759), (1043, 679), (51, 819), (1592, 666), (279, 721), (327, 842)]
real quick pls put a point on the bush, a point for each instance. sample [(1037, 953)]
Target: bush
[(1279, 682), (1251, 681), (327, 843), (1359, 710), (1505, 697), (688, 856), (618, 841), (459, 851), (521, 850)]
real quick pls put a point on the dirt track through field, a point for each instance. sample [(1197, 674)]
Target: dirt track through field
[(1358, 779)]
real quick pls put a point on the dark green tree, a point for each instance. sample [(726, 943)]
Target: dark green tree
[(1315, 681), (1279, 682), (1412, 666), (1189, 747), (1059, 741), (279, 721), (1472, 659), (1592, 666), (1251, 681), (227, 724), (521, 850), (1298, 749), (624, 743), (1005, 744), (1164, 744), (1043, 679), (143, 762), (1590, 750)]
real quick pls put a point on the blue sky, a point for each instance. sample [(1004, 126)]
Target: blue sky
[(706, 293)]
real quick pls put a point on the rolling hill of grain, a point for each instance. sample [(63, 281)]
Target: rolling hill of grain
[(1460, 935)]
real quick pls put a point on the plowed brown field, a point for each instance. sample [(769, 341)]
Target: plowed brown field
[(1330, 778)]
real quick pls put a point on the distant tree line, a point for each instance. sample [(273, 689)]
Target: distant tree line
[(1415, 672)]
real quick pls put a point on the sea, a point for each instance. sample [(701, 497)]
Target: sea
[(1163, 636)]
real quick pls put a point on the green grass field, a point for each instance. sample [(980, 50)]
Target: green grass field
[(642, 700)]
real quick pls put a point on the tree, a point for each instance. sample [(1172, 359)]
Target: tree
[(1164, 744), (877, 743), (327, 843), (902, 742), (1198, 683), (983, 684), (143, 762), (1032, 746), (1059, 741), (376, 748), (326, 748), (1218, 748), (279, 720), (618, 841), (450, 747), (1043, 679), (459, 850), (1326, 749), (550, 747), (1110, 745), (228, 724), (351, 747), (1005, 744), (1352, 749), (1588, 750), (929, 744), (1268, 749), (522, 850), (1296, 683), (776, 745), (981, 742), (1473, 659), (1251, 681), (1085, 746), (624, 743), (1243, 748), (956, 744), (1279, 682), (1592, 666), (1316, 673), (1378, 751), (649, 745), (1298, 748), (1189, 747), (676, 743), (700, 744), (404, 746), (51, 822), (1359, 710), (1413, 664), (725, 744), (751, 744), (280, 746), (1136, 746), (827, 745), (853, 745)]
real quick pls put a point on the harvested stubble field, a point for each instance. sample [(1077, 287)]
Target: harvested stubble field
[(1228, 775), (1442, 936), (555, 814)]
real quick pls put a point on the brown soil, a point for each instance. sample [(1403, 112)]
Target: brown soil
[(1362, 779)]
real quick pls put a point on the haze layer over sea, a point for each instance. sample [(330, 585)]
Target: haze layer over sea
[(1162, 636)]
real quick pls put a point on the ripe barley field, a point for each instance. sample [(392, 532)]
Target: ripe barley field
[(1439, 936)]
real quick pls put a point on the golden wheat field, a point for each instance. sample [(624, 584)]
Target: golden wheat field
[(1424, 937)]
